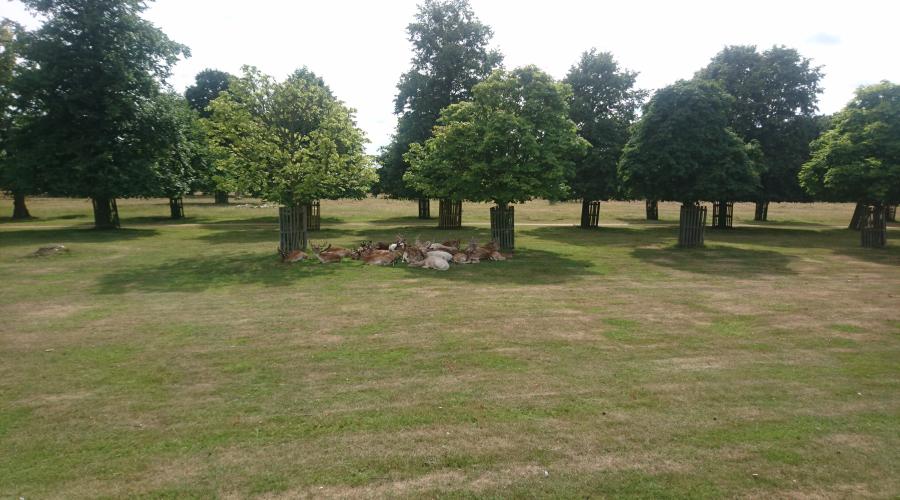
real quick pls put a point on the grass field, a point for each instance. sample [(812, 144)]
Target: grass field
[(183, 360)]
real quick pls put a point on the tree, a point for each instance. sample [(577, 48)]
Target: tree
[(289, 142), (776, 94), (512, 142), (208, 85), (95, 70), (604, 105), (450, 56), (15, 177), (858, 158), (682, 150)]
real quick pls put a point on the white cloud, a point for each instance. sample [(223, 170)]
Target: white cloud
[(360, 46)]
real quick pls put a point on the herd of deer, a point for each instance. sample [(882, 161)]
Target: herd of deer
[(427, 255)]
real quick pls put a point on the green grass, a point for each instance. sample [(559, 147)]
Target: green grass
[(181, 359)]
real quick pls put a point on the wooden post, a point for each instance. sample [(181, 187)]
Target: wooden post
[(691, 225), (723, 214), (106, 213), (590, 214), (449, 214), (762, 211), (652, 210), (313, 216), (292, 224), (176, 208), (874, 228), (503, 226), (424, 208)]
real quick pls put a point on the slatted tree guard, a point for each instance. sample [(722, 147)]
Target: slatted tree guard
[(424, 208), (652, 210), (874, 227), (503, 224), (176, 208), (292, 223), (449, 214), (890, 213), (762, 211), (590, 214), (106, 213), (221, 197), (723, 215), (313, 216), (691, 225)]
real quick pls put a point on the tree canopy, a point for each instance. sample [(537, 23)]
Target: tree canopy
[(208, 84), (14, 176), (775, 98), (289, 142), (682, 149), (858, 158), (183, 160), (95, 70), (604, 105), (450, 56), (512, 142)]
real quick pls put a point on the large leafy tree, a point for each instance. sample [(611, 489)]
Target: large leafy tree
[(289, 142), (208, 85), (512, 142), (858, 158), (15, 177), (604, 105), (682, 148), (450, 56), (775, 98), (96, 70)]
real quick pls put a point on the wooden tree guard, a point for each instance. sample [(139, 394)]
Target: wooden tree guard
[(874, 227), (859, 214), (590, 214), (313, 216), (691, 225), (424, 208), (176, 208), (723, 215), (106, 213), (449, 214), (221, 197), (652, 210), (503, 226), (762, 211), (890, 213), (292, 222)]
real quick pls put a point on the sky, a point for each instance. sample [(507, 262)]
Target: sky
[(360, 47)]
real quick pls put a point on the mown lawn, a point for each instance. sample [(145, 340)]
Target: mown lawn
[(182, 359)]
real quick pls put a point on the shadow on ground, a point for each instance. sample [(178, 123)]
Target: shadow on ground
[(718, 259), (76, 235)]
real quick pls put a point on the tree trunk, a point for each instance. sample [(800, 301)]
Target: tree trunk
[(873, 232), (652, 210), (890, 213), (20, 210), (691, 225), (590, 214), (176, 207), (449, 214), (221, 197), (503, 226), (858, 214), (292, 223), (424, 208), (723, 212), (106, 213), (762, 211)]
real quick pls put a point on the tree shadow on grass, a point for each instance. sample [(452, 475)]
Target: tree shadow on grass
[(888, 256), (610, 236), (223, 234), (72, 236), (720, 260), (201, 273)]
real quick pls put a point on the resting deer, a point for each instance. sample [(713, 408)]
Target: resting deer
[(293, 256), (430, 262), (324, 254)]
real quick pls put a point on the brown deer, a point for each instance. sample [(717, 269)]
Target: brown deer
[(324, 254), (292, 257)]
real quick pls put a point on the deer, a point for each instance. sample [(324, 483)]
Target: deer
[(292, 257), (324, 254), (429, 262)]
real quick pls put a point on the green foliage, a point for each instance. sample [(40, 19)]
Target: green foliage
[(604, 105), (682, 148), (184, 159), (858, 158), (288, 142), (89, 92), (14, 177), (513, 142), (775, 95), (450, 56), (208, 84)]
